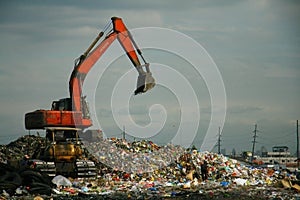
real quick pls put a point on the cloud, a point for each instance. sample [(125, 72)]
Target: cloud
[(243, 109), (278, 70), (254, 43)]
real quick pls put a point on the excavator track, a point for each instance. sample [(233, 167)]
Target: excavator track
[(85, 168), (45, 167)]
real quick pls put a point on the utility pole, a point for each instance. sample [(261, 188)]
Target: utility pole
[(123, 133), (254, 141), (297, 131), (219, 142)]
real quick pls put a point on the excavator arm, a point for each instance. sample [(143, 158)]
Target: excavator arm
[(86, 62)]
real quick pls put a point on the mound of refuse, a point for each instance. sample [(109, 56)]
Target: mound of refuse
[(16, 150), (136, 157), (144, 170)]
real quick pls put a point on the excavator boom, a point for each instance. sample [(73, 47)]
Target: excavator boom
[(73, 111), (130, 47)]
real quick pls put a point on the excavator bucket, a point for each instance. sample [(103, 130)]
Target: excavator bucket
[(145, 82)]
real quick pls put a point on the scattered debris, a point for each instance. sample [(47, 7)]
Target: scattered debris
[(60, 180), (140, 170)]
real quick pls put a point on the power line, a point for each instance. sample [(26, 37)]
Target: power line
[(276, 140), (268, 137)]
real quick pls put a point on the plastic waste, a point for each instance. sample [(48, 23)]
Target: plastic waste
[(142, 170), (60, 180), (240, 181)]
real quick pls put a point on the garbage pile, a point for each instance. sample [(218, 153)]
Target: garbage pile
[(144, 170), (16, 150), (136, 157)]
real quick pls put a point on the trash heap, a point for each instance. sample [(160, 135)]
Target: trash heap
[(16, 150), (136, 157), (144, 170)]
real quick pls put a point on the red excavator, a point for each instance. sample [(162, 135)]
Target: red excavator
[(69, 117)]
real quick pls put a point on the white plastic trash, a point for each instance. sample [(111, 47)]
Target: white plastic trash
[(60, 180)]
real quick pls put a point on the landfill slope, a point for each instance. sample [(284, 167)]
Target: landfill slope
[(16, 150), (144, 170)]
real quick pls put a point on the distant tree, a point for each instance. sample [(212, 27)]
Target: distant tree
[(263, 151), (223, 151), (257, 152), (194, 147), (233, 153)]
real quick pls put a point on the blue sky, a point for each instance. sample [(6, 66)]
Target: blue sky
[(255, 45)]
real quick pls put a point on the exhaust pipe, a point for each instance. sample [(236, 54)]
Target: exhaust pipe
[(145, 80)]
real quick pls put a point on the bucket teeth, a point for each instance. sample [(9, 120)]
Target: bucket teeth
[(145, 79), (145, 82)]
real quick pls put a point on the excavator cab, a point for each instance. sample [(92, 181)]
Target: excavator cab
[(65, 104), (62, 104)]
